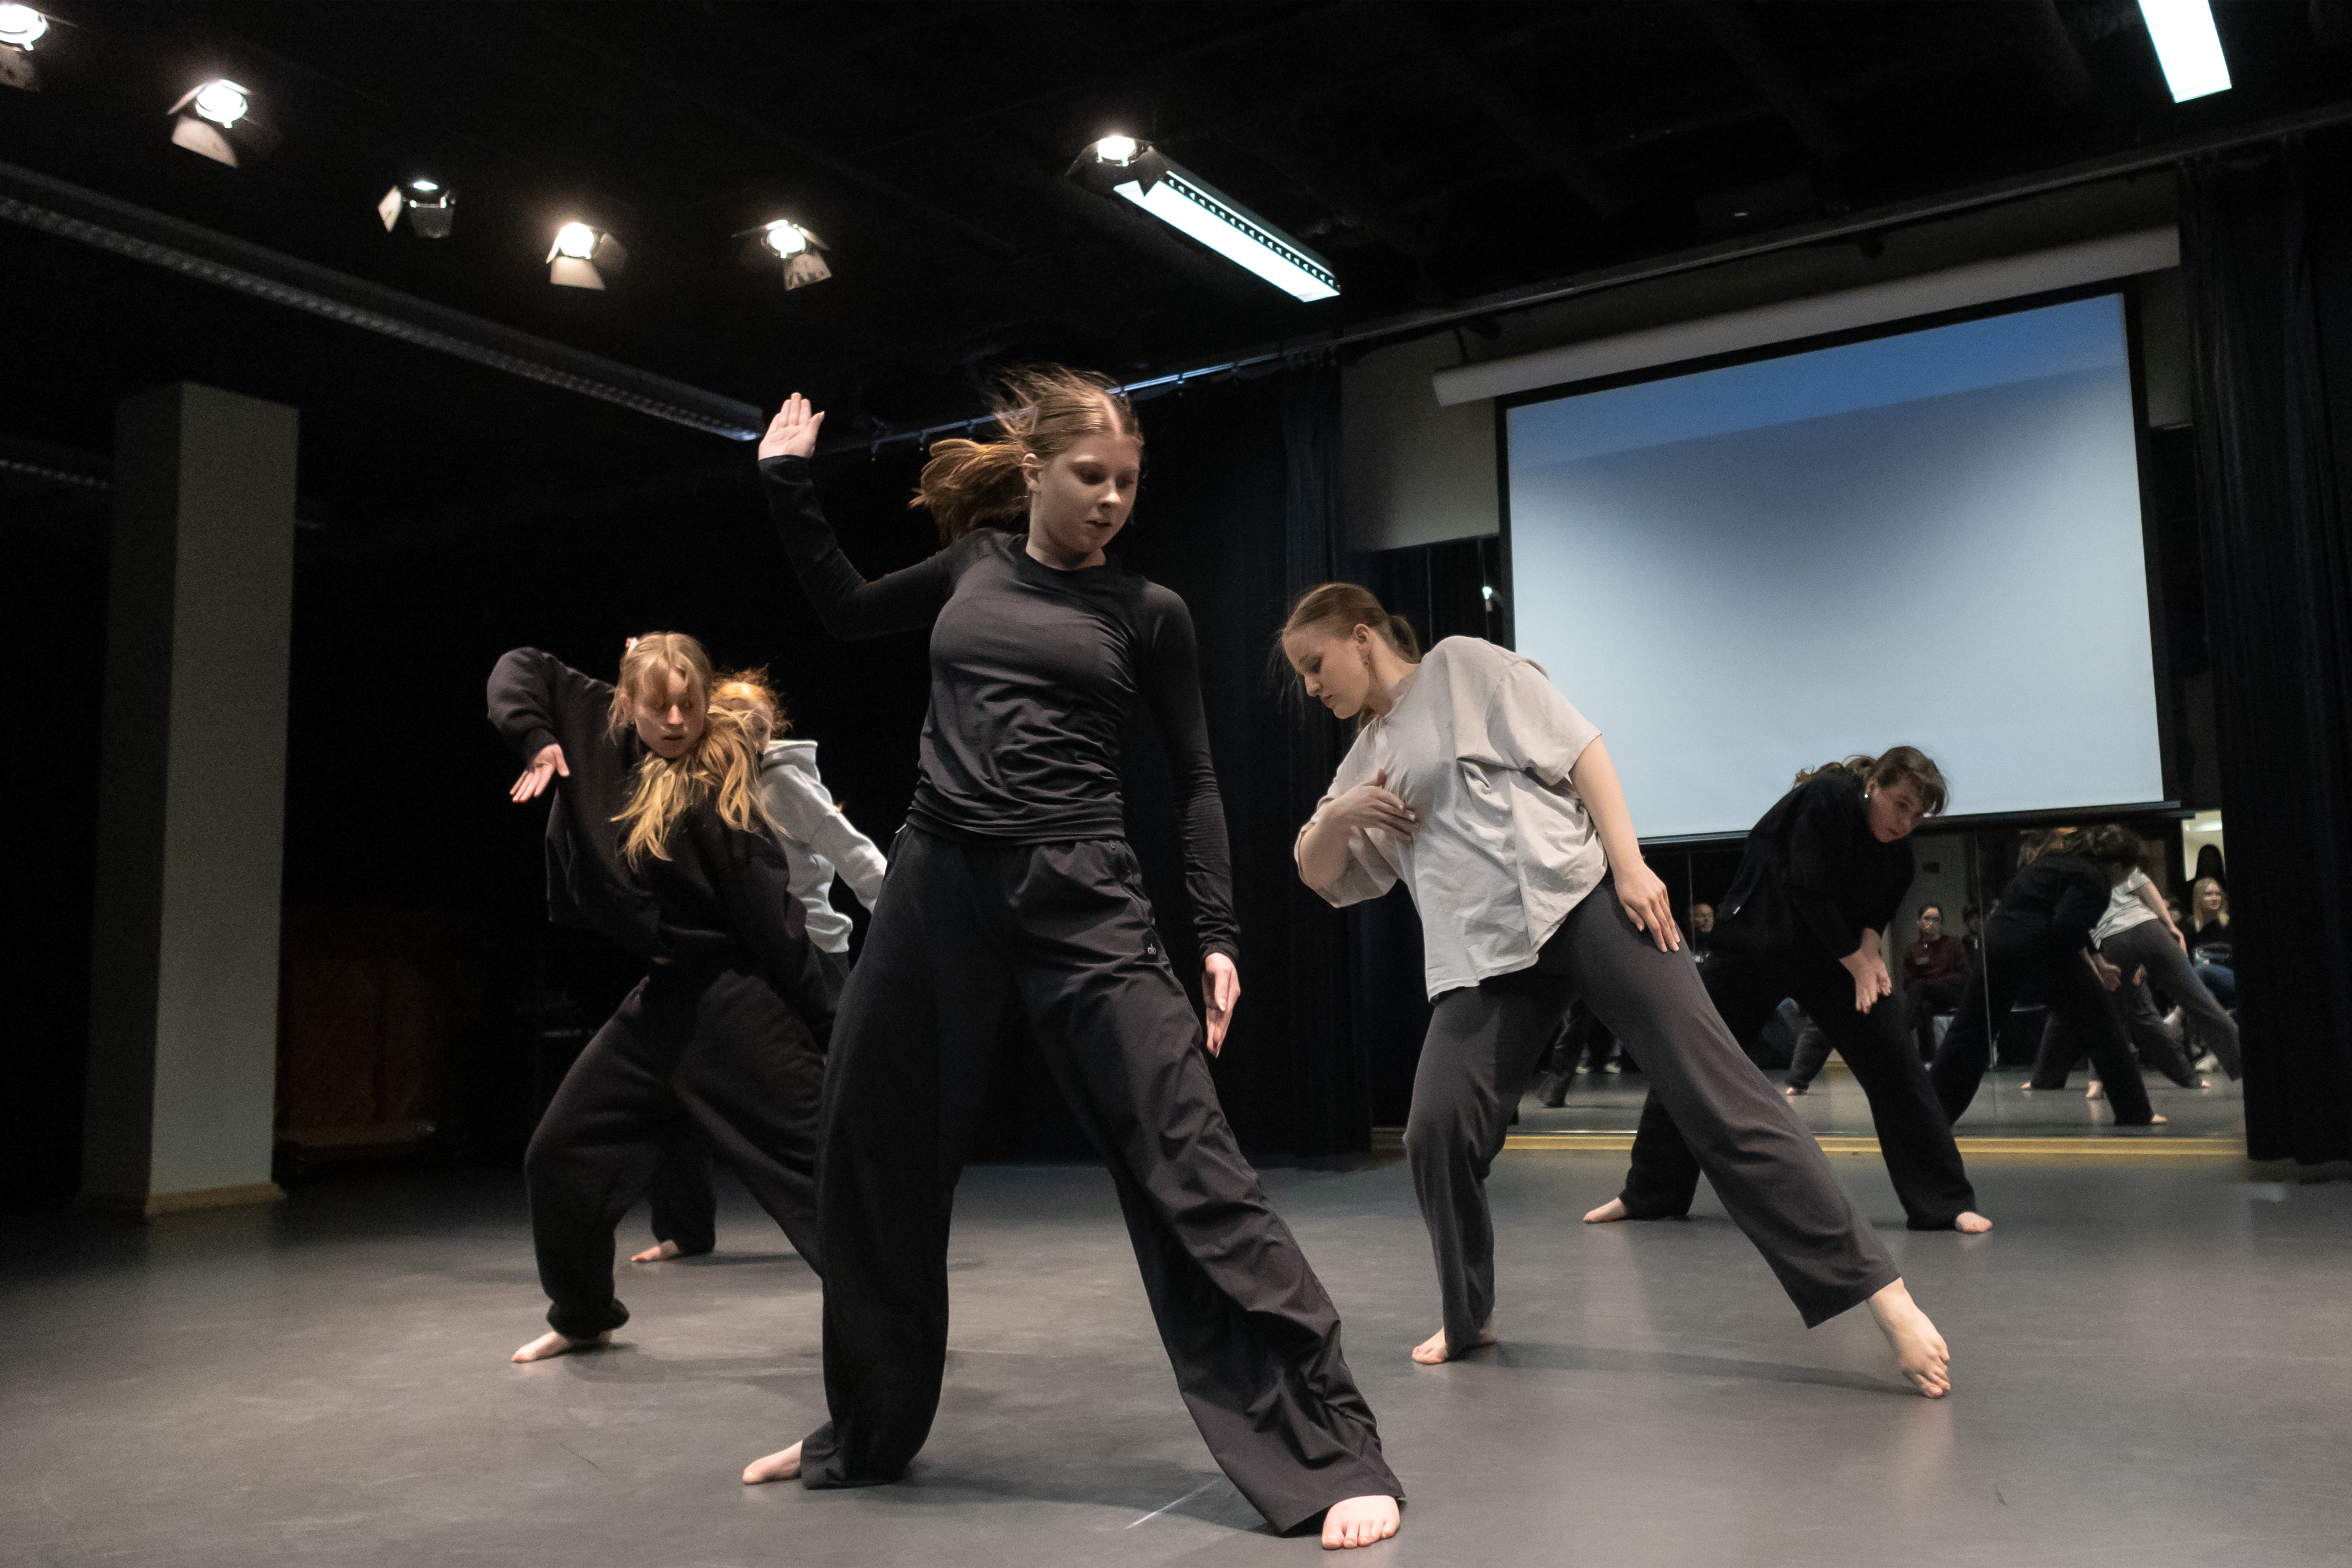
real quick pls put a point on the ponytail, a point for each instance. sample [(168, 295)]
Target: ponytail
[(1339, 608), (1043, 410)]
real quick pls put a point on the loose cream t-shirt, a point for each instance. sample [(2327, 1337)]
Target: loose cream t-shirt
[(1478, 745)]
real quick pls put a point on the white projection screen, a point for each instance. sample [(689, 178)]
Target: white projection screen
[(1932, 537)]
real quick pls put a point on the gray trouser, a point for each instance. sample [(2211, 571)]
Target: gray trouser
[(1764, 1165), (2150, 945)]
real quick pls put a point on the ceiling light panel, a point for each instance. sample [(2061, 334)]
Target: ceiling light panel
[(2187, 47)]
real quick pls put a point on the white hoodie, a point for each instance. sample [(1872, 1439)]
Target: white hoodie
[(818, 841)]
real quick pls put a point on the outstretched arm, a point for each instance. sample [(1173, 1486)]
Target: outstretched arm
[(1639, 889), (536, 698), (849, 604)]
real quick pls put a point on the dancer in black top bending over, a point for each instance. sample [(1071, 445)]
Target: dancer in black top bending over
[(1823, 874), (657, 839), (1014, 880), (2040, 933)]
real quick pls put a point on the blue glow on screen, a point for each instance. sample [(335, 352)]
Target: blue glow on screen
[(1930, 538)]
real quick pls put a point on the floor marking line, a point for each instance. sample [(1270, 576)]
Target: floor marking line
[(1187, 1497)]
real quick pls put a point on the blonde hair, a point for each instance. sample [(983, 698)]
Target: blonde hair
[(2196, 891), (748, 692), (1894, 766), (721, 767), (1339, 608), (1043, 410)]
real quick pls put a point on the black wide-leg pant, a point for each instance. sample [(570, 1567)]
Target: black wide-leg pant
[(1065, 928), (716, 1050), (1484, 1039), (2004, 964), (1914, 1138), (685, 1209)]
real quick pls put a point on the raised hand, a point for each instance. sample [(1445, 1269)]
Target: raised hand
[(543, 767), (792, 432), (1220, 988)]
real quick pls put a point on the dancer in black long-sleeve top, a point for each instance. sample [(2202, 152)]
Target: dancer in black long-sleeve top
[(1014, 880), (1822, 877), (657, 840), (2041, 932)]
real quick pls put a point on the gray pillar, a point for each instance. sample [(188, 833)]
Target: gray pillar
[(184, 994)]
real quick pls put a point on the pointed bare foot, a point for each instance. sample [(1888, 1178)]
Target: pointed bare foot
[(552, 1343), (1358, 1521), (2092, 1092), (1919, 1349), (1609, 1213), (1432, 1350), (783, 1465), (661, 1253), (1972, 1224)]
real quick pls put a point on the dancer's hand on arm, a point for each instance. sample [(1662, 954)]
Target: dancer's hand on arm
[(1323, 847), (792, 432), (543, 767), (1867, 964), (1638, 887), (1220, 988)]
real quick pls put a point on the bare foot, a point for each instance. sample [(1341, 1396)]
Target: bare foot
[(1791, 1090), (2092, 1092), (1972, 1224), (1919, 1349), (661, 1253), (1358, 1521), (1430, 1352), (1609, 1213), (783, 1465), (552, 1343)]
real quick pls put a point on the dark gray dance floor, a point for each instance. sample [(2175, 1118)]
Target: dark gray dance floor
[(2151, 1368)]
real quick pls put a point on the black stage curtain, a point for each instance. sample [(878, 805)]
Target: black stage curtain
[(1240, 514), (2266, 251)]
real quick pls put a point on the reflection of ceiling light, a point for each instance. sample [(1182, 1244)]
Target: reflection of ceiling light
[(1124, 167), (222, 103), (582, 256), (431, 210), (796, 245), (2187, 47), (20, 26)]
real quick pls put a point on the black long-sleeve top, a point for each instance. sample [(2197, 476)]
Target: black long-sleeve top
[(723, 896), (1814, 876), (2057, 900), (1033, 671)]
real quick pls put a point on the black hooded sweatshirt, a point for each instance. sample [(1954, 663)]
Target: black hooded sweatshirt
[(723, 897), (1814, 876)]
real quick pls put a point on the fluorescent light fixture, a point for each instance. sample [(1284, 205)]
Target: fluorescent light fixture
[(1182, 200), (21, 25), (2187, 47)]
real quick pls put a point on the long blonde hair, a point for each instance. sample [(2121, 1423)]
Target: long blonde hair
[(1043, 410), (721, 767)]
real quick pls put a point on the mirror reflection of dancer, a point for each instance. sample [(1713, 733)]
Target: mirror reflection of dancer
[(818, 841), (657, 839), (1823, 874), (2040, 933), (1014, 880), (1474, 782)]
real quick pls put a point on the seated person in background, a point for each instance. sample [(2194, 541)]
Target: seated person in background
[(1971, 930), (1702, 932), (2210, 946), (1935, 966)]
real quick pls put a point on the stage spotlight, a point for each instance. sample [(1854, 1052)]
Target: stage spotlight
[(209, 114), (582, 256), (20, 28), (2187, 47), (1131, 170), (432, 208), (794, 244)]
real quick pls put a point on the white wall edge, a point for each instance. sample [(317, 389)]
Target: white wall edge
[(1952, 288)]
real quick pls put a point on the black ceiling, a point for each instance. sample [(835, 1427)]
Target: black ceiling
[(1433, 152)]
